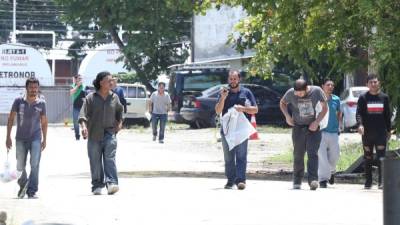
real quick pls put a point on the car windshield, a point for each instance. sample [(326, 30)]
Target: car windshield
[(200, 82), (212, 90), (357, 93)]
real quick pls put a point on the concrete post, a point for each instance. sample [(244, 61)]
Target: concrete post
[(391, 191)]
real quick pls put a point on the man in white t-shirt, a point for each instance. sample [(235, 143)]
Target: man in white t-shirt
[(160, 104)]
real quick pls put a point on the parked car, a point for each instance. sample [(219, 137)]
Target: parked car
[(192, 79), (199, 110), (137, 100), (348, 105)]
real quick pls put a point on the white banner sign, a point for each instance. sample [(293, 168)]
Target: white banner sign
[(19, 62), (7, 97), (102, 59)]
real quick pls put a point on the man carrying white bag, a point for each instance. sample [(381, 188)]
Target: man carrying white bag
[(234, 103)]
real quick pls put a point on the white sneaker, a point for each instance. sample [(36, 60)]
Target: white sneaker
[(112, 189), (97, 191)]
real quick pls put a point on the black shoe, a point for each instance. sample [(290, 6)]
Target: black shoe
[(323, 184), (380, 186), (161, 141), (332, 179), (32, 196), (368, 184), (77, 138), (22, 190), (228, 186)]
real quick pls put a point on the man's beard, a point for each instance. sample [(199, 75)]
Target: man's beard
[(233, 87)]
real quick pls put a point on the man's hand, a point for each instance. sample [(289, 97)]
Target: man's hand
[(119, 127), (224, 93), (313, 126), (389, 135), (8, 143), (84, 132), (240, 108), (361, 130), (289, 121), (43, 145)]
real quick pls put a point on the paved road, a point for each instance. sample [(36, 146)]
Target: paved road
[(65, 196)]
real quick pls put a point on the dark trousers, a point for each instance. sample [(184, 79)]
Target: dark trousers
[(371, 141), (304, 141)]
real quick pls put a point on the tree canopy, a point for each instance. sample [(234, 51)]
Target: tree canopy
[(322, 38), (156, 31)]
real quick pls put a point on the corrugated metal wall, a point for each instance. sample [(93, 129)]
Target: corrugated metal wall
[(58, 103)]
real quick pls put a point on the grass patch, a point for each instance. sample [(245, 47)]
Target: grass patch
[(271, 129), (349, 153)]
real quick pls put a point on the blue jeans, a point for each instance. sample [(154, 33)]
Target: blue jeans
[(102, 161), (75, 117), (35, 151), (235, 161), (154, 122)]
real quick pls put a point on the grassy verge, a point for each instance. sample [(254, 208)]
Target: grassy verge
[(349, 153), (272, 129)]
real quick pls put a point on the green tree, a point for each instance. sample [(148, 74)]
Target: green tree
[(156, 31), (322, 38)]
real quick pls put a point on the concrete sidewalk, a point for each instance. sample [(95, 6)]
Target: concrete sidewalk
[(65, 197), (183, 201)]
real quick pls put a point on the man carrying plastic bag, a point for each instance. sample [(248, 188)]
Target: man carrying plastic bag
[(30, 137), (234, 136)]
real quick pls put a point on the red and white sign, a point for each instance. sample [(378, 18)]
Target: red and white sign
[(19, 62)]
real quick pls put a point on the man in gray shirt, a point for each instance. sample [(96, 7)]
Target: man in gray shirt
[(160, 103), (31, 135), (306, 135), (101, 119)]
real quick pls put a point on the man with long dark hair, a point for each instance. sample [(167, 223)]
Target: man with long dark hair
[(101, 119), (31, 135)]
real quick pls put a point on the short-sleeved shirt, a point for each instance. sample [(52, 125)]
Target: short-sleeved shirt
[(28, 118), (333, 120), (78, 96), (160, 102), (243, 97), (303, 109)]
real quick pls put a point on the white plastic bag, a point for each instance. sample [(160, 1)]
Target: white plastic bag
[(8, 174), (236, 127), (324, 122)]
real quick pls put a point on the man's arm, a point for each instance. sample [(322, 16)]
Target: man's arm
[(44, 123), (360, 113), (221, 102), (388, 114), (284, 109), (83, 118), (10, 123)]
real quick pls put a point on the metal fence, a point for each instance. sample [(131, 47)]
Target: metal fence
[(58, 103)]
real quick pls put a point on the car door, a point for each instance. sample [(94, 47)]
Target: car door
[(268, 105), (142, 101)]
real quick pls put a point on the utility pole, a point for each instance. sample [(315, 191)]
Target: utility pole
[(14, 34)]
